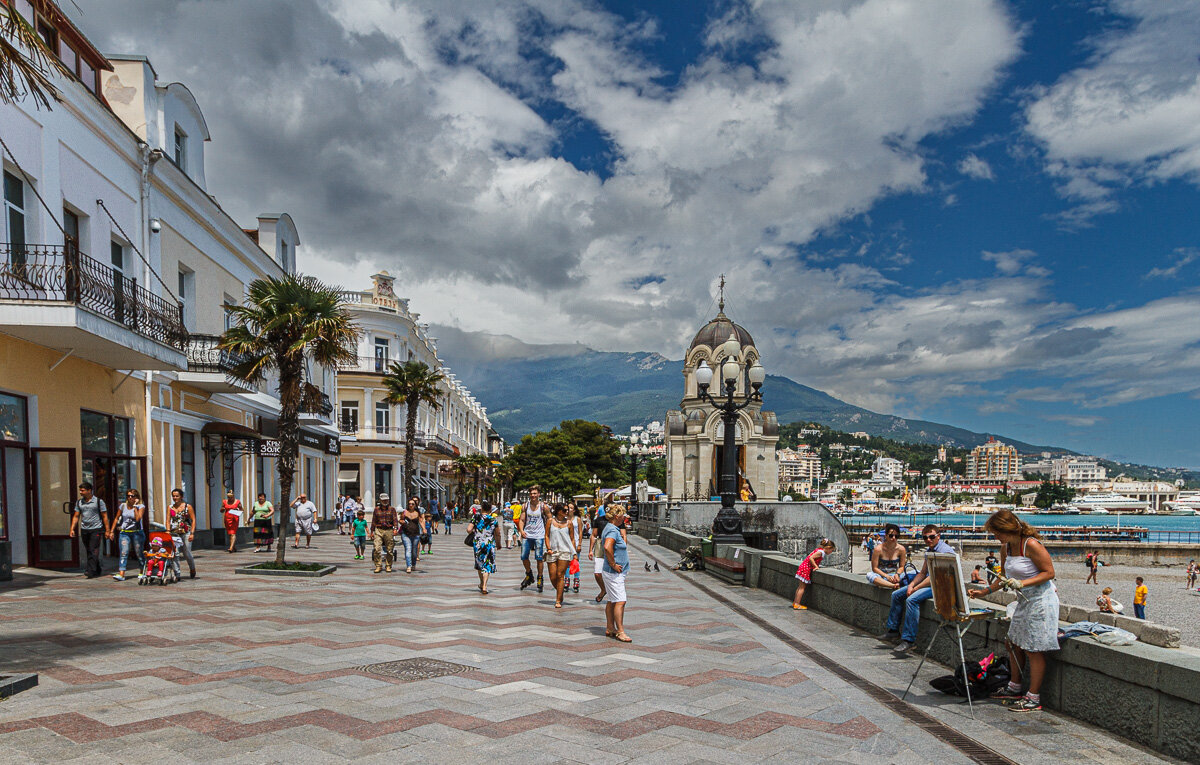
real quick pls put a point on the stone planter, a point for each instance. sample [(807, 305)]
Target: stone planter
[(13, 684), (256, 571)]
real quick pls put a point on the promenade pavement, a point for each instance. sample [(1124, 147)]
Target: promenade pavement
[(230, 668)]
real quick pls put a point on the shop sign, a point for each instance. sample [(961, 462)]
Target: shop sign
[(268, 447), (333, 445), (312, 440)]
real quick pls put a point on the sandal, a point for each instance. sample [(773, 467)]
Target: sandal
[(623, 637), (558, 605), (600, 598), (609, 634)]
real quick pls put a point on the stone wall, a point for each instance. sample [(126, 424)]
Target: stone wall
[(800, 525), (1142, 692)]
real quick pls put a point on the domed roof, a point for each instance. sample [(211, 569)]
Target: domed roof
[(717, 332)]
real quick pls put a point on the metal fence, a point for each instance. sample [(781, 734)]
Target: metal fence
[(205, 355), (62, 274)]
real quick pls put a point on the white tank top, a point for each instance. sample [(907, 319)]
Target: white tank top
[(560, 539), (1020, 566)]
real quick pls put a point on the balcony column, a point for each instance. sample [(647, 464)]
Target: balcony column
[(367, 418), (366, 480)]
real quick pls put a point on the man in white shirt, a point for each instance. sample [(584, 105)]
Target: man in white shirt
[(532, 525), (306, 515)]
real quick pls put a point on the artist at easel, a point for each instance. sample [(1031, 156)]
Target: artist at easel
[(1034, 628)]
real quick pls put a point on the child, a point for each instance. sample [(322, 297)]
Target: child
[(358, 531), (427, 537), (156, 560), (1141, 594), (807, 566)]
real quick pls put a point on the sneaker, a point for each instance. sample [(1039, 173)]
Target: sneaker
[(1006, 695), (888, 637), (903, 648), (118, 577), (1026, 704), (378, 569)]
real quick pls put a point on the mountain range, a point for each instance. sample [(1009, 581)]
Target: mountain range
[(527, 388)]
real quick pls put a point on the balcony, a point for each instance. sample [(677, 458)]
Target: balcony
[(57, 297), (315, 406), (210, 368)]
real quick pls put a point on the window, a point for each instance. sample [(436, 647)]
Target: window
[(227, 306), (187, 463), (284, 257), (187, 281), (309, 475), (117, 252), (69, 57), (383, 480), (349, 416), (71, 228), (48, 33), (383, 417), (381, 354), (117, 255), (105, 433), (181, 148), (14, 217)]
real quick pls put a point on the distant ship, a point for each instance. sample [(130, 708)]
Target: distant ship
[(1103, 504), (1188, 503)]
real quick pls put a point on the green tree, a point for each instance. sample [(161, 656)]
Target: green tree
[(564, 459), (285, 323), (411, 384), (656, 472), (1051, 493)]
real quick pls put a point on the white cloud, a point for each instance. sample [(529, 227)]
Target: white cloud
[(973, 166), (1131, 114), (1180, 258)]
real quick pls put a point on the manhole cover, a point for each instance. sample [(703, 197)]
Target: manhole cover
[(411, 670)]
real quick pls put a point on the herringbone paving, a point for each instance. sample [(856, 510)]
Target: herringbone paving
[(230, 668)]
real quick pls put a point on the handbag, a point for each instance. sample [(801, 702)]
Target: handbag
[(469, 539), (573, 569)]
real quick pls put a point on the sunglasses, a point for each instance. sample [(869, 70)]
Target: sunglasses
[(931, 536), (892, 534)]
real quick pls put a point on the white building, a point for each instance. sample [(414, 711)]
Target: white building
[(1156, 493), (373, 431), (887, 470), (1077, 472), (116, 268), (798, 468)]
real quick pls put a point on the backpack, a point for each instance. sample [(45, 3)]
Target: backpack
[(987, 675)]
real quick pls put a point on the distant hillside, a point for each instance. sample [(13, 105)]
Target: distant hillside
[(532, 391)]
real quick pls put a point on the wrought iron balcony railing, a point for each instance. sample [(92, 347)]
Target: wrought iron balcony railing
[(204, 355), (314, 402), (62, 274)]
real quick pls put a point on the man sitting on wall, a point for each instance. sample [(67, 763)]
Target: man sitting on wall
[(909, 599)]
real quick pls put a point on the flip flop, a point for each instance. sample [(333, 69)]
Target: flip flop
[(608, 634), (599, 598)]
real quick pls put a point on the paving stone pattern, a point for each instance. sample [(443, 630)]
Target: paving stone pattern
[(230, 668)]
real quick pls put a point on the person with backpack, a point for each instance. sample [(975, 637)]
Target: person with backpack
[(532, 525), (1093, 564), (90, 521)]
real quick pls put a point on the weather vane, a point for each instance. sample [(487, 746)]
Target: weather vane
[(721, 295)]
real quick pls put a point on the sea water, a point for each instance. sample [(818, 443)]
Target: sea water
[(1160, 528)]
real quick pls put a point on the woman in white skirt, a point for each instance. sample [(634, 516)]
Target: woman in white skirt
[(1034, 627)]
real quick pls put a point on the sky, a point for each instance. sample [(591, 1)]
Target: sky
[(971, 211)]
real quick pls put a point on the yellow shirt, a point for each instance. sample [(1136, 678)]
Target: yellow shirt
[(1139, 595), (516, 512)]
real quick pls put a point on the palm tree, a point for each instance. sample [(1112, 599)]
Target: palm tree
[(461, 469), (26, 62), (284, 323), (412, 383), (477, 463)]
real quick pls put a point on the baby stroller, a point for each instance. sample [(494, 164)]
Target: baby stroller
[(159, 554)]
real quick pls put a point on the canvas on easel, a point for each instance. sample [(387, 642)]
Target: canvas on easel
[(949, 589)]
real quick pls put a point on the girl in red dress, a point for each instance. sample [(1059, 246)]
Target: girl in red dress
[(804, 573)]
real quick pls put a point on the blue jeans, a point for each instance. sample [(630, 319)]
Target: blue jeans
[(447, 524), (127, 540), (911, 606), (410, 549), (1139, 610), (535, 546)]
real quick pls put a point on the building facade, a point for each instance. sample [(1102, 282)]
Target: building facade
[(116, 268), (887, 470), (1077, 472), (373, 431), (799, 469), (695, 432), (993, 461)]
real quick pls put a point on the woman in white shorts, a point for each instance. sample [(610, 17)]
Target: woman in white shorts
[(616, 564), (561, 544)]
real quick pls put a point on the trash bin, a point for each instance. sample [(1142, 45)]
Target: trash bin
[(706, 547)]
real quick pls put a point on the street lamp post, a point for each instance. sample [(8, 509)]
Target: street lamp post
[(727, 528), (595, 482), (635, 448)]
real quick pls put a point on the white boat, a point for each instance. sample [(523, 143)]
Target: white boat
[(1109, 503), (1179, 508)]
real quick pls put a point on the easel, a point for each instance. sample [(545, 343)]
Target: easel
[(954, 607)]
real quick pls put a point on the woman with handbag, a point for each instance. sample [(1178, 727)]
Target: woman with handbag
[(483, 534)]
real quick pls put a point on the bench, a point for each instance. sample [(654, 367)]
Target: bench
[(726, 568)]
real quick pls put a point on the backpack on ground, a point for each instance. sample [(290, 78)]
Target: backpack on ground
[(986, 676)]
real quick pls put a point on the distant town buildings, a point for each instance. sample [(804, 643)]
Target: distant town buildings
[(1077, 472), (887, 470), (798, 468), (993, 461)]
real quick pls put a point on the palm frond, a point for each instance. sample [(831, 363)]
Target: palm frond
[(26, 63)]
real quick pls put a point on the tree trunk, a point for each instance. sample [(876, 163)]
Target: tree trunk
[(289, 446), (410, 441)]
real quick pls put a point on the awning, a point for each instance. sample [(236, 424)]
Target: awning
[(347, 476), (230, 430), (427, 483)]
